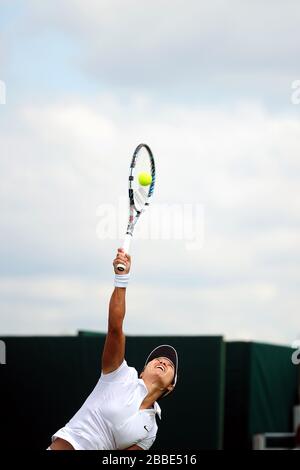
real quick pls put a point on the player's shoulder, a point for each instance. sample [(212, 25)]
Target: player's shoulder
[(123, 373)]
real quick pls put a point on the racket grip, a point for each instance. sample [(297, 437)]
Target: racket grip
[(126, 246)]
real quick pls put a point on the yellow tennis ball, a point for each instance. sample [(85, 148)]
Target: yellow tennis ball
[(145, 179)]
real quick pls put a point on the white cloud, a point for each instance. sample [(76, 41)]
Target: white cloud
[(201, 51), (62, 306), (61, 161), (63, 155)]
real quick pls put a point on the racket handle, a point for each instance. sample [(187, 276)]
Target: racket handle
[(126, 246)]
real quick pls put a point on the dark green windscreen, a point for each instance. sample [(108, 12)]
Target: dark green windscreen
[(46, 379), (261, 390)]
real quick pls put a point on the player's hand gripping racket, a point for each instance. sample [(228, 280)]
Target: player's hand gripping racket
[(141, 187)]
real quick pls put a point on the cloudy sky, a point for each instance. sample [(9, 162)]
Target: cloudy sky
[(213, 88)]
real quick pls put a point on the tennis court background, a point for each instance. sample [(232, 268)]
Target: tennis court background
[(225, 391), (261, 390)]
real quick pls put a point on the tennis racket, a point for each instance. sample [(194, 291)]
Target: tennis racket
[(139, 196)]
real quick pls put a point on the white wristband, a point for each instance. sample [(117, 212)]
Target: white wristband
[(121, 280)]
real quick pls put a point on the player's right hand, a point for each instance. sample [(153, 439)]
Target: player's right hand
[(122, 258)]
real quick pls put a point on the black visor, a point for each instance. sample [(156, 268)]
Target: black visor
[(165, 351)]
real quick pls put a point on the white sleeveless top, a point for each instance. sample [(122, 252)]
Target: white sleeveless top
[(110, 418)]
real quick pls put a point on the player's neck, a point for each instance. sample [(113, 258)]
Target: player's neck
[(154, 392)]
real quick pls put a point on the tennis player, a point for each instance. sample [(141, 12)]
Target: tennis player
[(120, 413)]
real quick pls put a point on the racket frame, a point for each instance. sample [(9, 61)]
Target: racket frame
[(134, 213)]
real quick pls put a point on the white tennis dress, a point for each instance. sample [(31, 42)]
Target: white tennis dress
[(111, 417)]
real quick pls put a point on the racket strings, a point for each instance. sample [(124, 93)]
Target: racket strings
[(140, 196), (142, 165)]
